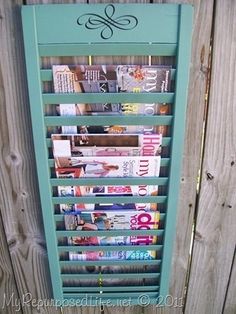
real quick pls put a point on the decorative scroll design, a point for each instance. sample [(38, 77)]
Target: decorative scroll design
[(108, 23)]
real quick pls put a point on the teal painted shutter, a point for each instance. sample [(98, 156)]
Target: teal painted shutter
[(156, 30)]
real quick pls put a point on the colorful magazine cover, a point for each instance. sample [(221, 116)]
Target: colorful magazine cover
[(67, 145), (124, 167), (118, 220), (112, 255), (112, 220), (103, 191), (106, 191)]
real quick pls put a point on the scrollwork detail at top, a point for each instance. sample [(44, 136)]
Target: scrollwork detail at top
[(108, 22)]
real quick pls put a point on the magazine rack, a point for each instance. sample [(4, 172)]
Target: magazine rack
[(108, 30)]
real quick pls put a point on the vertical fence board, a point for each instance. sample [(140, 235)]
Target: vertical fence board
[(123, 310), (230, 302), (8, 289), (203, 14), (215, 236)]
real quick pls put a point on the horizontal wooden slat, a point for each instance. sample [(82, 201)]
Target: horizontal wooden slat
[(83, 248), (110, 181), (112, 199), (78, 98), (108, 248), (108, 120), (111, 289), (101, 233), (111, 262), (165, 142), (113, 233), (110, 295), (110, 276), (103, 49), (110, 233)]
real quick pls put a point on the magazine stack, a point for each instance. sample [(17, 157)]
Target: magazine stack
[(109, 151)]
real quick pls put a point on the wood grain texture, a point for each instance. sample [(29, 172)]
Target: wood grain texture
[(118, 1), (19, 197), (123, 310), (215, 236), (230, 301), (8, 289), (81, 310), (203, 11)]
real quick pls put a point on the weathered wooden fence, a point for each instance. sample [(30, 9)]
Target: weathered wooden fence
[(203, 276)]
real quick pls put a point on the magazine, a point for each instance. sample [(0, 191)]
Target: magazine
[(76, 145), (111, 78), (106, 191), (112, 255), (100, 167), (84, 78), (117, 220), (112, 220), (66, 145)]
